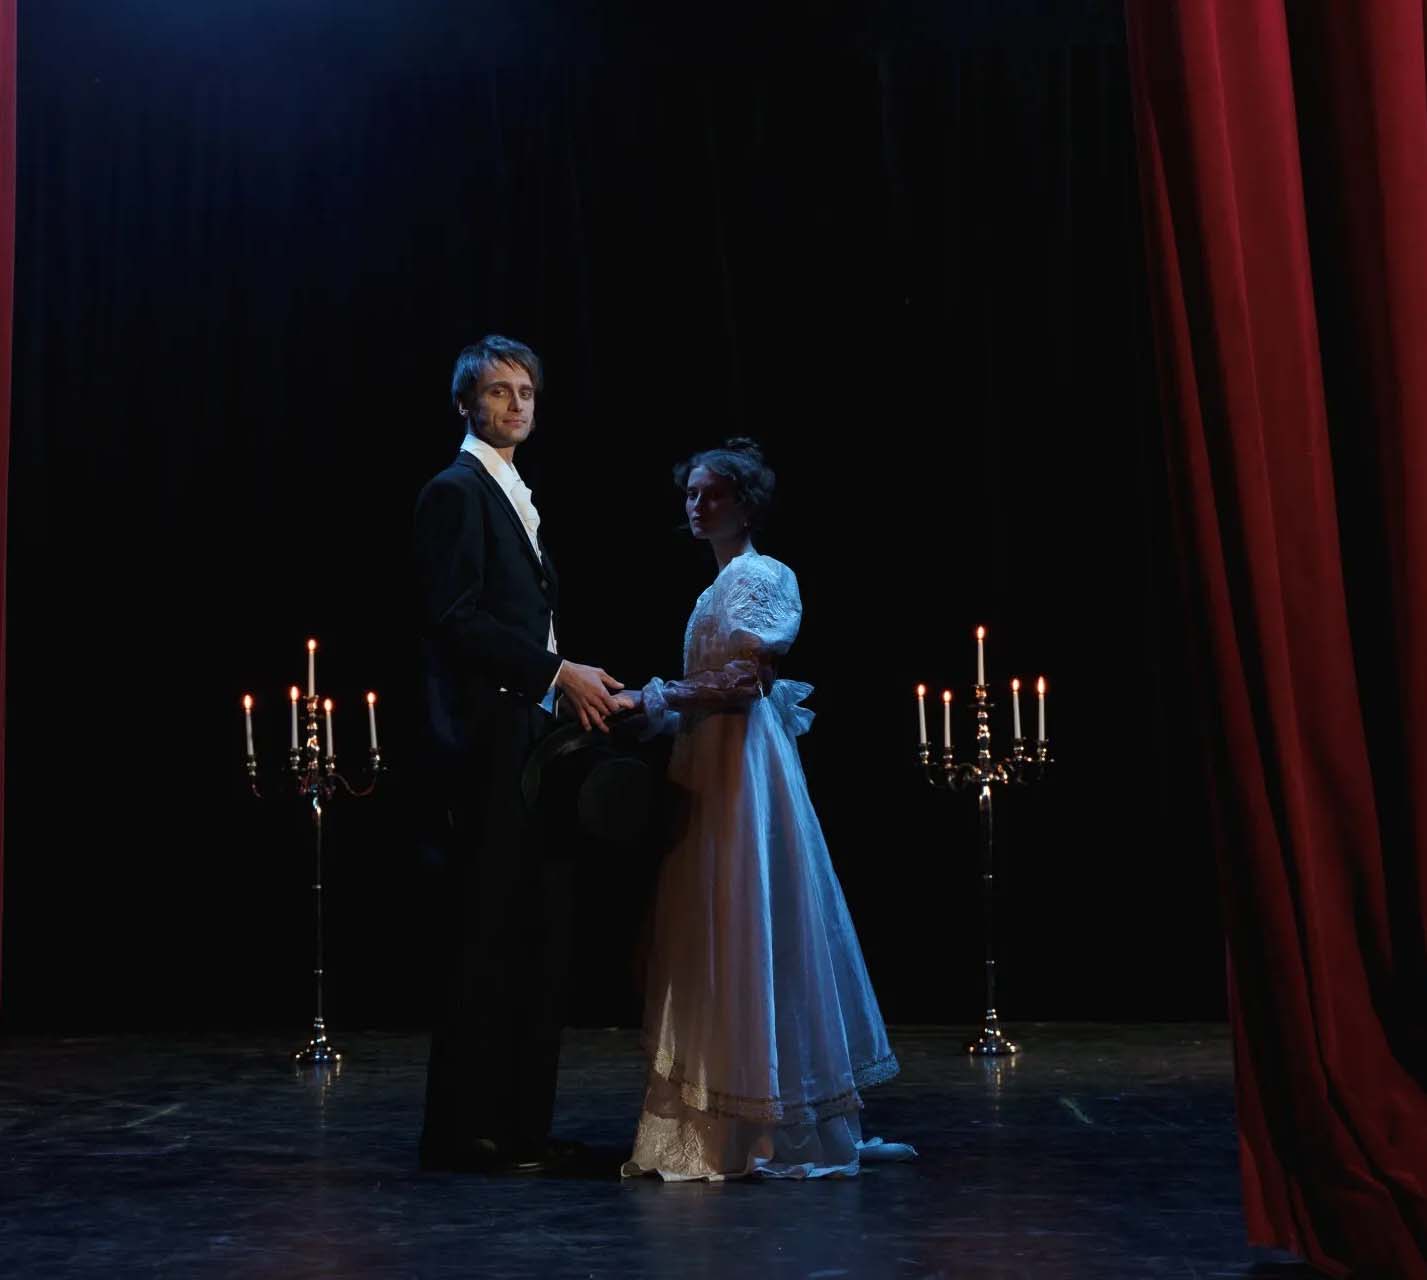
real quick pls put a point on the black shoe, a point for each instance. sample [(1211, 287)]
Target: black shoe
[(480, 1156), (566, 1159), (561, 1153)]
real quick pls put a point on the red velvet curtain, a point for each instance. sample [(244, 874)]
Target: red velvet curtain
[(1283, 158), (7, 292)]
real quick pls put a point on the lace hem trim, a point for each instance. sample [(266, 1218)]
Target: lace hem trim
[(732, 1106)]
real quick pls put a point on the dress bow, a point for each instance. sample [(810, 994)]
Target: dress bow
[(785, 695)]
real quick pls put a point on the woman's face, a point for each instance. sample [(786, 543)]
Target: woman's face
[(712, 507)]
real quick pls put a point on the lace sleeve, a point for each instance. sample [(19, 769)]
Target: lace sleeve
[(759, 610), (763, 609), (732, 688)]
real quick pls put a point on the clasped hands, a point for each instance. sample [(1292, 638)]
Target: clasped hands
[(594, 697)]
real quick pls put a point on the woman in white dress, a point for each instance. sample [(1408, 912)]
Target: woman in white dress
[(760, 1024)]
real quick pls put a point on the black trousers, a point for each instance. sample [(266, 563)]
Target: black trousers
[(506, 906)]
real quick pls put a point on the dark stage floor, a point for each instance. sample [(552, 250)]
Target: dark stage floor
[(1103, 1151)]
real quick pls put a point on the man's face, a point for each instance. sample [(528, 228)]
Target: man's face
[(502, 408)]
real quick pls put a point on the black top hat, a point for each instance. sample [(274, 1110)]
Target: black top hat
[(598, 782)]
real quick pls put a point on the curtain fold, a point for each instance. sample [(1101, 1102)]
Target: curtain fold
[(8, 69), (1315, 853)]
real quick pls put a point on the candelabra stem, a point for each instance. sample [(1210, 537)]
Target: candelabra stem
[(991, 1042), (318, 1051)]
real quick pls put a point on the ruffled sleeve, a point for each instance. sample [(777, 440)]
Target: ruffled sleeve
[(762, 607), (759, 611)]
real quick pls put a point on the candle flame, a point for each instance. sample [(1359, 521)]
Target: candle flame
[(981, 633), (921, 691), (946, 695), (247, 702), (1040, 685), (292, 693), (371, 699), (1016, 685), (327, 706), (312, 646)]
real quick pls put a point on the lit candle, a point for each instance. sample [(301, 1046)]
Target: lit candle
[(981, 655), (922, 714), (312, 668), (372, 718), (248, 721), (327, 707), (1040, 709), (1016, 708), (946, 719), (292, 695)]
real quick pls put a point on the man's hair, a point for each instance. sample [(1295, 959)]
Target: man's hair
[(492, 349)]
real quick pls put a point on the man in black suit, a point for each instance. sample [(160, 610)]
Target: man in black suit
[(488, 597)]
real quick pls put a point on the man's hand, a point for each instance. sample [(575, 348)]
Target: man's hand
[(590, 693)]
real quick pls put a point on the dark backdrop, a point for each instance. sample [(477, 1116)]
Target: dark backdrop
[(900, 244)]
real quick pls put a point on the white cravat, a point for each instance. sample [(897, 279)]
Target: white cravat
[(514, 488), (521, 498)]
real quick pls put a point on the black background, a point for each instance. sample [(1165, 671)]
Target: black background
[(898, 243)]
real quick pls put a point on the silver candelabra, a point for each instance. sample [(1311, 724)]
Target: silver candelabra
[(314, 777), (1024, 765)]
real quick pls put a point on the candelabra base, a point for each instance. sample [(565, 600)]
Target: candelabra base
[(992, 1042), (318, 1051)]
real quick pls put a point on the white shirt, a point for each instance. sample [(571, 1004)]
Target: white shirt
[(514, 488)]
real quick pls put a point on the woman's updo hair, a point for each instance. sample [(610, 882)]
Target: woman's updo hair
[(740, 461)]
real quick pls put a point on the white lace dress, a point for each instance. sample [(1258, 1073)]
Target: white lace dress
[(760, 1024)]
